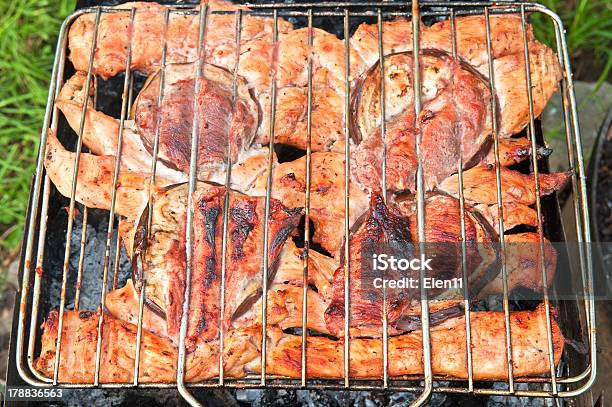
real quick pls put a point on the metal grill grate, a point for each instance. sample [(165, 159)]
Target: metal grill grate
[(558, 383)]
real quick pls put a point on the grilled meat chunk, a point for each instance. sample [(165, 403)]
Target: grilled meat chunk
[(515, 214), (524, 264), (383, 226), (227, 122), (479, 185), (324, 356), (513, 151), (455, 121), (507, 55), (163, 255), (101, 132), (147, 33), (392, 230), (327, 185), (95, 180)]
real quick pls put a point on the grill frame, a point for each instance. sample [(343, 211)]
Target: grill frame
[(34, 244)]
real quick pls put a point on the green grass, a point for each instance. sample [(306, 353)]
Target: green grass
[(589, 35), (28, 31)]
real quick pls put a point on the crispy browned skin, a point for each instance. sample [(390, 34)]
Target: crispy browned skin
[(327, 204), (507, 54), (479, 185), (164, 256), (324, 356), (454, 121)]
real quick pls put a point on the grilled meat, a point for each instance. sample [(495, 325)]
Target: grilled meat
[(391, 230), (227, 124), (123, 304), (235, 117), (513, 151), (383, 226), (324, 356), (95, 180), (327, 189), (455, 121), (515, 214), (147, 34), (157, 358), (507, 54), (479, 185), (163, 255), (257, 54), (101, 132), (524, 264)]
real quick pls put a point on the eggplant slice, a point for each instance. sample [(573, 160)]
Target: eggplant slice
[(226, 109), (455, 120), (161, 257)]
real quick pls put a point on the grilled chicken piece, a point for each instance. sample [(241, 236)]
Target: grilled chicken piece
[(123, 304), (392, 230), (321, 268), (101, 133), (163, 255), (327, 188), (515, 214), (227, 124), (513, 151), (285, 305), (95, 180), (479, 185), (157, 358), (524, 264), (327, 55), (148, 33), (507, 54), (455, 121), (324, 356)]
